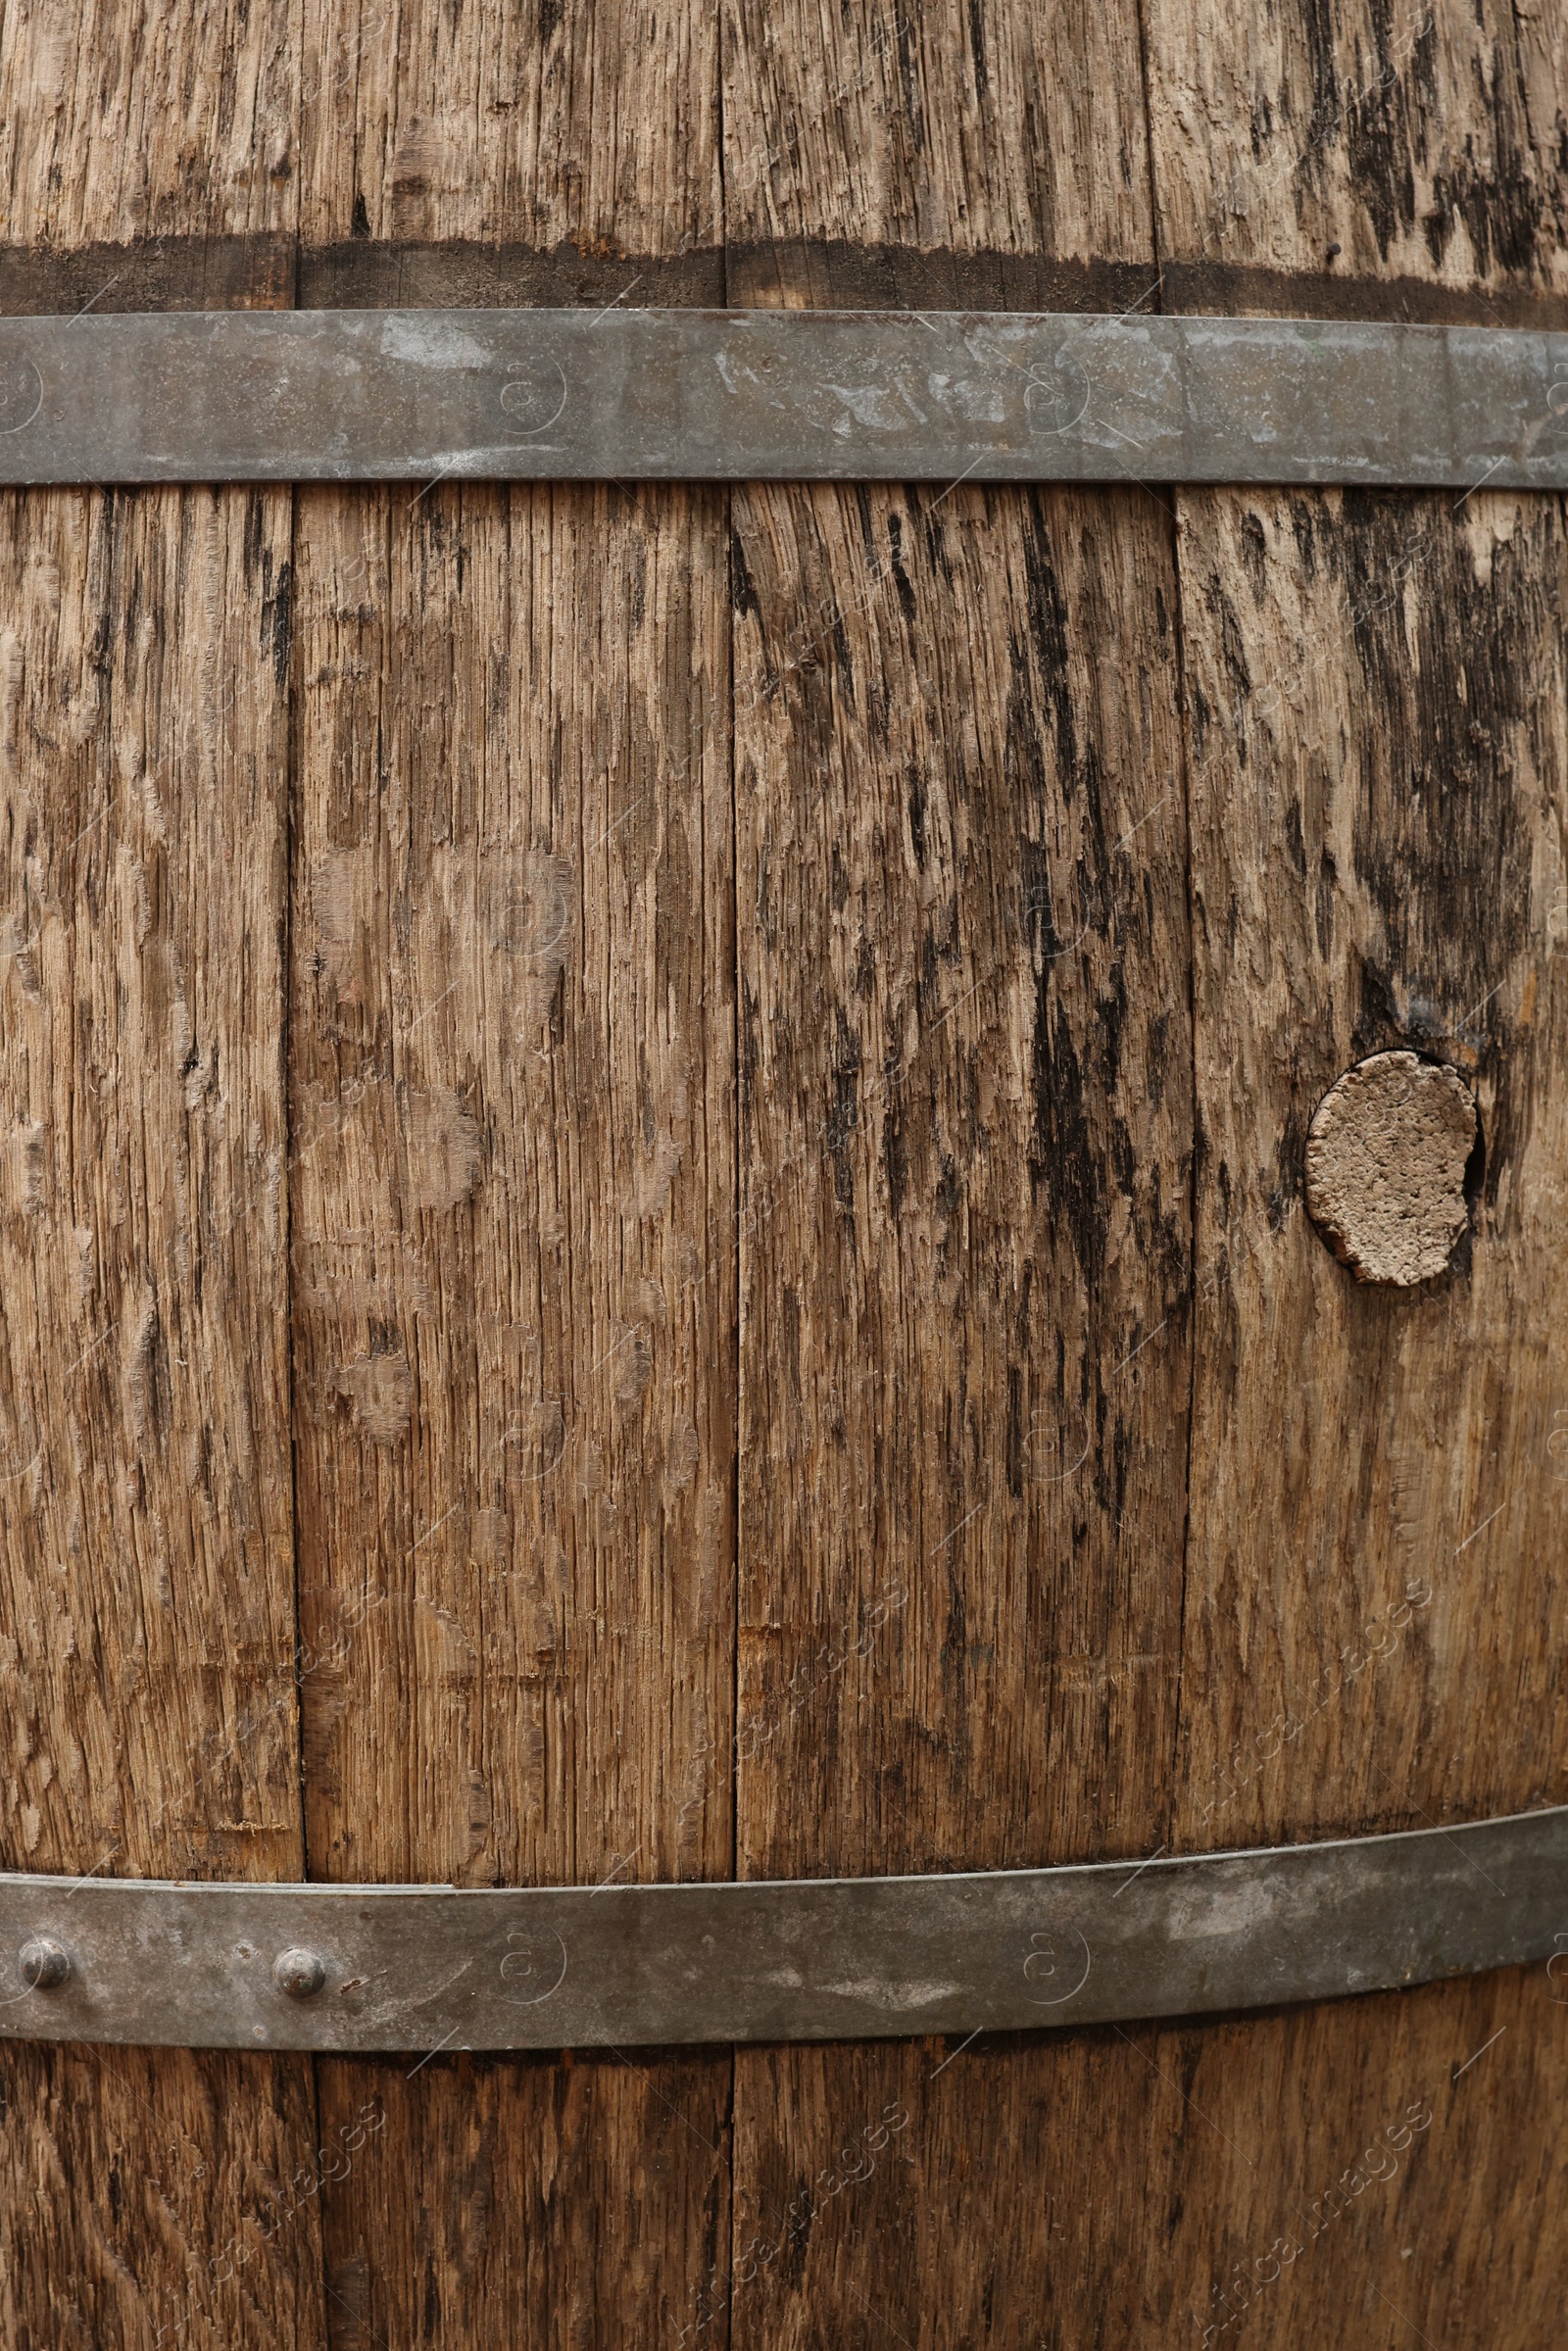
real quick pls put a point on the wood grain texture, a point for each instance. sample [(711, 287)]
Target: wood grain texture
[(966, 1121), (1397, 141), (1377, 774), (146, 1533), (1380, 830), (553, 2203), (951, 1205), (511, 1055), (547, 124), (157, 2198), (147, 1611), (962, 941), (512, 1095), (513, 1089), (1379, 783), (1069, 2192), (965, 1127), (140, 121), (1017, 129), (1361, 2172)]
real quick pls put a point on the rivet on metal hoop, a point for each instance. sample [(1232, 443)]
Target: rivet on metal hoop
[(300, 1973), (44, 1963)]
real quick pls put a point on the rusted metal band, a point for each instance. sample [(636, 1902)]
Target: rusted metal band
[(358, 1968), (777, 395)]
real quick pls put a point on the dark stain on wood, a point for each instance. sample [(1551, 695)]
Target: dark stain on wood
[(277, 273)]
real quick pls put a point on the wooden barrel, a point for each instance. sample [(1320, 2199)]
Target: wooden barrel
[(655, 1155)]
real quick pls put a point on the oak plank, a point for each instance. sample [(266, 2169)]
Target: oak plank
[(444, 118), (1380, 786), (1412, 144), (1364, 2171), (1359, 2172), (1378, 779), (122, 121), (512, 1065), (513, 1079), (904, 2260), (148, 1533), (146, 1521), (965, 1243), (554, 2197), (965, 1263), (953, 129), (965, 1253), (160, 2198), (512, 1094)]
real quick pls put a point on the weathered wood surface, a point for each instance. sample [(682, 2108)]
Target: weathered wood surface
[(1340, 2175), (148, 1531), (510, 1052), (545, 2201), (1011, 130), (143, 121), (965, 1119), (1125, 2184), (732, 1027), (1379, 792), (547, 126), (146, 1520), (965, 1125), (1379, 765), (511, 1042), (146, 1524), (1414, 146), (961, 933), (511, 1081)]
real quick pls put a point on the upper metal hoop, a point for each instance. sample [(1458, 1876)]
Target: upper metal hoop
[(777, 395)]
